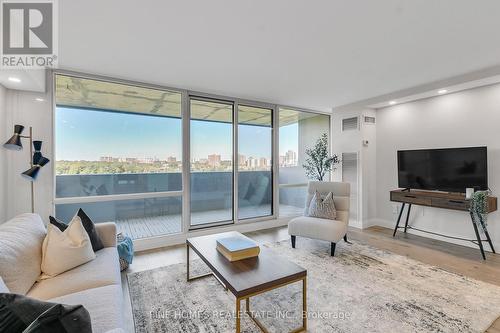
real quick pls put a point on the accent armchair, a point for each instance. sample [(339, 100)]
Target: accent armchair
[(320, 228)]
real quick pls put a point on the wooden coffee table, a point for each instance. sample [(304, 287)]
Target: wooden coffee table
[(249, 277)]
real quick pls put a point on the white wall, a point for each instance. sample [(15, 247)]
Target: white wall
[(468, 118), (352, 142), (23, 109), (3, 155)]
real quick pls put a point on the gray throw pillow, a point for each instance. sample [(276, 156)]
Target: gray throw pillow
[(322, 208)]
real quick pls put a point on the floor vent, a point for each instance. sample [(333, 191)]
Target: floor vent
[(350, 124)]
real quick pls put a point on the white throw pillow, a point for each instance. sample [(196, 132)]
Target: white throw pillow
[(3, 287), (64, 250)]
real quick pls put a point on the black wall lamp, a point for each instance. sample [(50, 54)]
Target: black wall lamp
[(37, 160)]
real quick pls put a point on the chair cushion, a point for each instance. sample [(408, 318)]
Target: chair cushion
[(104, 305), (21, 252), (102, 271), (317, 228)]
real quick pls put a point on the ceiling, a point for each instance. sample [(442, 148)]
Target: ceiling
[(311, 54), (79, 92)]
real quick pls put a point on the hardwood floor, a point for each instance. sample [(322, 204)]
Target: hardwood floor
[(454, 258)]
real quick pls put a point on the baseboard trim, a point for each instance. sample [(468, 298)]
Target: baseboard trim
[(177, 239), (390, 224)]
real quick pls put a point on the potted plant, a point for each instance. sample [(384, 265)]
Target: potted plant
[(318, 161)]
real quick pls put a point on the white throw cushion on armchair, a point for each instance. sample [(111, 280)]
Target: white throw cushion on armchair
[(327, 229)]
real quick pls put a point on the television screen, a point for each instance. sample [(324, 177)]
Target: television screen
[(448, 169)]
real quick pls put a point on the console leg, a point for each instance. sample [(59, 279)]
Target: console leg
[(489, 241), (407, 217), (479, 241), (332, 251), (399, 218), (293, 241)]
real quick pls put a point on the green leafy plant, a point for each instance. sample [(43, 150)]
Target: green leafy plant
[(318, 161), (479, 209)]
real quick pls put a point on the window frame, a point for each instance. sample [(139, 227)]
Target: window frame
[(184, 193), (330, 150)]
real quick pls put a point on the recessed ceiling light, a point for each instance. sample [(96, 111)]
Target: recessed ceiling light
[(14, 79), (392, 102), (442, 91), (38, 99)]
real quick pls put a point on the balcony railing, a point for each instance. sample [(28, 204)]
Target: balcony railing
[(146, 205)]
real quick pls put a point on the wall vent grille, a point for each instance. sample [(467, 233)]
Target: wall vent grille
[(350, 124), (369, 120)]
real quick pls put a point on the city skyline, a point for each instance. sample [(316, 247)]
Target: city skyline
[(98, 134)]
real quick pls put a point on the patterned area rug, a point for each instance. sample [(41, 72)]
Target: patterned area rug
[(361, 289)]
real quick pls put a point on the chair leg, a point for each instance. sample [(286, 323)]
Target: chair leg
[(345, 239), (333, 249), (293, 242)]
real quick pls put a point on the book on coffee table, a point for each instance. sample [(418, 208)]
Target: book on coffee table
[(237, 248)]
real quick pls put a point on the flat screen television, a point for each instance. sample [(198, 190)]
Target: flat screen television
[(446, 169)]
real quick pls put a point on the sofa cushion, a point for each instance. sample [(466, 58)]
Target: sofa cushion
[(21, 251), (317, 228), (104, 305), (102, 271), (3, 287), (65, 250)]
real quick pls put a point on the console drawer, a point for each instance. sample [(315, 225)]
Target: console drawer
[(450, 203), (410, 198)]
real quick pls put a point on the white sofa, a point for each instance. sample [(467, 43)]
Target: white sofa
[(96, 285), (319, 228)]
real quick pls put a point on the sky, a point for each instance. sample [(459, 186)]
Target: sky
[(87, 135)]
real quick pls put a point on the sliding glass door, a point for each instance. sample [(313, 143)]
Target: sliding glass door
[(211, 167), (255, 146), (160, 161)]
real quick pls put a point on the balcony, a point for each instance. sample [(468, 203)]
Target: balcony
[(211, 199)]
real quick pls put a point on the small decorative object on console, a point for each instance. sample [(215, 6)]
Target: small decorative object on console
[(237, 248)]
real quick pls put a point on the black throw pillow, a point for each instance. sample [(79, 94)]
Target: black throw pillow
[(19, 314), (89, 226)]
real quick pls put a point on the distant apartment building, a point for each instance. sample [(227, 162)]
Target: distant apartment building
[(263, 162), (291, 158), (106, 159), (214, 160), (171, 159), (242, 159)]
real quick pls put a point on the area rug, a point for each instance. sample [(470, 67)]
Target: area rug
[(361, 289)]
